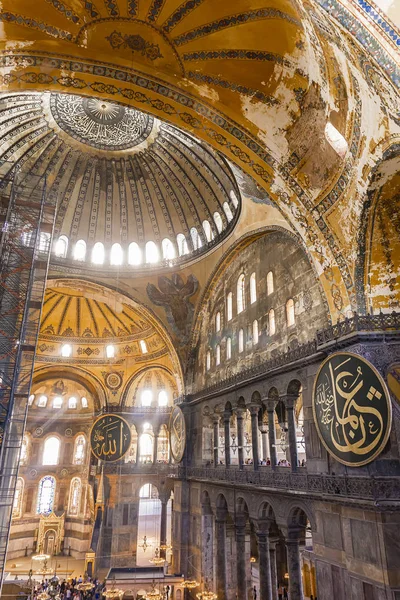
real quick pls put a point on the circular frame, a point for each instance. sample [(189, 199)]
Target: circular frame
[(388, 402), (114, 416), (177, 414)]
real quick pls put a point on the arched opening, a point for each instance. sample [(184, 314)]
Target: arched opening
[(208, 231), (182, 244), (116, 255), (134, 254), (46, 491), (98, 254), (168, 249), (61, 246), (152, 255), (51, 451), (240, 290), (218, 222), (80, 250)]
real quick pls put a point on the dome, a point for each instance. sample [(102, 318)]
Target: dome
[(130, 189)]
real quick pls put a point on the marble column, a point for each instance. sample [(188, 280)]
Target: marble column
[(290, 406), (271, 404), (227, 440), (264, 565), (163, 525), (216, 440), (294, 567), (155, 449), (220, 535), (239, 418), (264, 441), (240, 530), (254, 409), (272, 562)]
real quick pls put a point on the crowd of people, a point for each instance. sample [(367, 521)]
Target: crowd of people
[(68, 589)]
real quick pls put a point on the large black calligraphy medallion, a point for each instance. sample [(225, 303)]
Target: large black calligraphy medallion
[(110, 438), (177, 433), (352, 409)]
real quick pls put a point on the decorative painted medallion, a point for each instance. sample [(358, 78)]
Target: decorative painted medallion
[(113, 380), (352, 409), (177, 434), (103, 125), (110, 438)]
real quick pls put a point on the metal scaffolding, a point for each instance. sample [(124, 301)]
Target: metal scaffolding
[(26, 222)]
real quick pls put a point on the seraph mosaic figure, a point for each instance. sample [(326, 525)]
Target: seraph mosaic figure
[(174, 295)]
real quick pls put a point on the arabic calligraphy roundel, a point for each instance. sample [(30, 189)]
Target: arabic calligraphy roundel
[(352, 409), (110, 437), (177, 434)]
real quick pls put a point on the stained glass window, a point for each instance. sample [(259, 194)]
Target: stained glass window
[(79, 452), (75, 496), (17, 504), (47, 488)]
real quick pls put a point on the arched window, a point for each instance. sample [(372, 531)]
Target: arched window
[(228, 348), (84, 402), (47, 488), (196, 240), (253, 288), (227, 211), (218, 355), (116, 255), (168, 249), (146, 447), (110, 351), (51, 451), (23, 457), (208, 360), (74, 496), (208, 231), (271, 321), (163, 398), (229, 306), (42, 401), (80, 250), (57, 402), (218, 222), (18, 495), (218, 322), (44, 241), (61, 246), (270, 283), (143, 346), (255, 332), (146, 398), (98, 254), (31, 399), (234, 198), (241, 340), (240, 294), (66, 350), (79, 450), (134, 254), (290, 312), (182, 244), (72, 402), (152, 255)]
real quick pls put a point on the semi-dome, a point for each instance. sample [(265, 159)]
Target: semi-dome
[(129, 188)]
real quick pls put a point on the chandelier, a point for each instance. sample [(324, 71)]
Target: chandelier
[(165, 547), (190, 584), (86, 585), (45, 570), (206, 594), (157, 560), (145, 544), (43, 596), (113, 592), (154, 594)]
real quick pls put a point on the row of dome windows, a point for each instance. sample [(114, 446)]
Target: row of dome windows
[(51, 451), (241, 297), (135, 254), (66, 350), (58, 401), (290, 320), (46, 494)]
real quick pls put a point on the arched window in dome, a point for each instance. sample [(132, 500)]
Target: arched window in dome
[(208, 360), (72, 402), (79, 450), (143, 346), (290, 312), (227, 211), (42, 401), (218, 355), (116, 256), (146, 447), (182, 244), (270, 283), (228, 348), (61, 246), (240, 295), (253, 288), (271, 321), (80, 250), (168, 249), (84, 402), (208, 232), (51, 451), (218, 322), (241, 340), (196, 240), (146, 398), (255, 332), (18, 495), (66, 350), (47, 488), (98, 254), (163, 398), (218, 222), (234, 198), (57, 402), (74, 496), (23, 457), (152, 255), (229, 306), (110, 351), (31, 399), (134, 254)]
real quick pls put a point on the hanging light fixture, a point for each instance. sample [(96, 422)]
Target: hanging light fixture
[(190, 584), (165, 547), (86, 585), (43, 596), (113, 592), (45, 570), (154, 594), (145, 544), (206, 594), (157, 561)]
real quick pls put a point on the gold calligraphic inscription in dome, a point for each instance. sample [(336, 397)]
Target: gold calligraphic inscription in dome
[(110, 438), (352, 409)]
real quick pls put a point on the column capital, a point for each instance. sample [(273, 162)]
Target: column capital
[(271, 404), (227, 415), (240, 412), (254, 409), (290, 400), (262, 526)]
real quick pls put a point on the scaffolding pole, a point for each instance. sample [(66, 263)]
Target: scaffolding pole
[(26, 222)]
